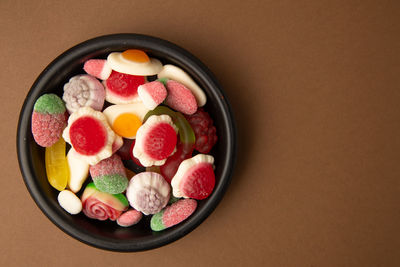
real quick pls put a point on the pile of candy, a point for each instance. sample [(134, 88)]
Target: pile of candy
[(128, 107)]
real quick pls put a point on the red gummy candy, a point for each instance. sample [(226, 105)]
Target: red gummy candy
[(124, 85), (199, 181), (125, 150), (132, 157), (204, 130), (168, 170), (87, 135), (160, 141)]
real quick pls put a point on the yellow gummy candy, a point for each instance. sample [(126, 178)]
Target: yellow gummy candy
[(57, 169)]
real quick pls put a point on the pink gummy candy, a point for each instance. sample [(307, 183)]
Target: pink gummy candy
[(47, 128), (180, 98), (97, 68), (152, 94), (111, 165), (178, 211), (129, 218)]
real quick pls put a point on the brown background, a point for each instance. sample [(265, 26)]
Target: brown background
[(315, 90)]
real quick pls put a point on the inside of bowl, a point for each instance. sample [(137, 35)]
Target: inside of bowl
[(107, 234)]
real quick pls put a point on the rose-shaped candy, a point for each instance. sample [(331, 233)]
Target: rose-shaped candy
[(102, 206), (95, 209)]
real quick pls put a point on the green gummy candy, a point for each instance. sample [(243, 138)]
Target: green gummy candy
[(112, 184), (156, 222), (173, 199), (49, 103), (163, 81)]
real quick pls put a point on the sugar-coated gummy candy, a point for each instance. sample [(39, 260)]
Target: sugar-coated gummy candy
[(89, 134), (48, 119), (155, 140), (129, 218), (134, 62), (109, 175), (180, 98), (204, 130), (195, 178), (57, 169), (83, 91), (152, 94), (78, 169), (173, 214), (148, 192), (102, 206), (177, 74), (98, 68), (69, 202)]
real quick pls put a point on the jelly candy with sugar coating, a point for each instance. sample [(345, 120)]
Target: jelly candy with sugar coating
[(152, 94), (173, 214), (48, 119), (205, 131), (109, 175), (180, 98)]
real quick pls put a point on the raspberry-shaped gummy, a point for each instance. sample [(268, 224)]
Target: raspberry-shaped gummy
[(204, 130)]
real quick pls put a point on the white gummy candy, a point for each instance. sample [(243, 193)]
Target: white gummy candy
[(78, 169), (69, 202)]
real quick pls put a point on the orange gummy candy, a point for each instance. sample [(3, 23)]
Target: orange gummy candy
[(136, 55)]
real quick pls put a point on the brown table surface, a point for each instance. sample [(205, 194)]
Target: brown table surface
[(315, 86)]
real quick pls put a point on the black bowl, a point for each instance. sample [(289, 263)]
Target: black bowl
[(108, 235)]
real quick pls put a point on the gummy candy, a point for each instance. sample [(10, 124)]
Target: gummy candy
[(57, 169), (173, 214), (185, 146), (204, 130), (186, 134)]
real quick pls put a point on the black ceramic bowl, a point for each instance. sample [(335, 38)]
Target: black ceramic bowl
[(107, 234)]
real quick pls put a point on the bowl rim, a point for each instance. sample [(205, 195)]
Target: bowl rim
[(138, 41)]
